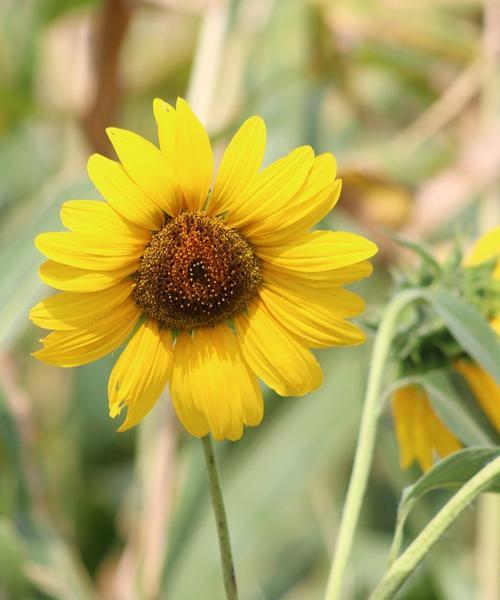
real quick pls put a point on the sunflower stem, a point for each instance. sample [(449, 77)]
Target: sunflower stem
[(366, 441), (404, 566), (220, 519)]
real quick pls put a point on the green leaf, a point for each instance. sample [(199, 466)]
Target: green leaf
[(450, 474), (456, 407), (469, 328)]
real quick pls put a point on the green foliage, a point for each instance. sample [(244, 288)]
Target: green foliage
[(469, 328), (13, 583), (453, 321), (449, 474)]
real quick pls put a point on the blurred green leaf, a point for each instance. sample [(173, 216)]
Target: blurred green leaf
[(13, 583), (285, 110), (58, 573), (18, 186), (55, 8), (469, 328)]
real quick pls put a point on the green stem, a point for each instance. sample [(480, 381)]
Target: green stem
[(366, 442), (397, 540), (404, 566), (220, 519)]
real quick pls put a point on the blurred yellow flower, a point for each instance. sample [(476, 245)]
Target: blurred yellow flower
[(421, 434), (215, 286), (484, 387), (487, 247)]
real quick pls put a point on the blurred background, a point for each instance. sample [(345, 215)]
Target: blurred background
[(407, 96)]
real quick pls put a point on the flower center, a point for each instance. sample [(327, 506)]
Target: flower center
[(195, 273)]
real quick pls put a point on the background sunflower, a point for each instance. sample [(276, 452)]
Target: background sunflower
[(422, 435)]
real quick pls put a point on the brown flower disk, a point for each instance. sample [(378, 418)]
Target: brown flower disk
[(196, 272)]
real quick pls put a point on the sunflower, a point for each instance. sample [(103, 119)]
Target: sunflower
[(420, 432), (212, 285)]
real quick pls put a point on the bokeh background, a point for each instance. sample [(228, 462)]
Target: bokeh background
[(407, 96)]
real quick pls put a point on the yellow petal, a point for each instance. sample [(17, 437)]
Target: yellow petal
[(423, 442), (72, 279), (72, 310), (484, 387), (320, 251), (212, 386), (317, 323), (402, 411), (487, 247), (272, 189), (191, 418), (410, 419), (194, 162), (140, 374), (340, 302), (146, 165), (78, 347), (444, 441), (276, 356), (124, 195), (86, 251), (166, 121), (315, 199), (419, 430), (239, 165), (94, 217), (281, 275), (495, 324)]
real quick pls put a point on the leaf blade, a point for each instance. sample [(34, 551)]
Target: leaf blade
[(450, 473), (469, 328)]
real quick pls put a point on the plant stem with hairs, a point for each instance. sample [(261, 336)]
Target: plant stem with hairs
[(220, 519)]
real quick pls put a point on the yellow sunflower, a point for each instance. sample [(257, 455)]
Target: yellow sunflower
[(487, 248), (211, 284), (421, 434)]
